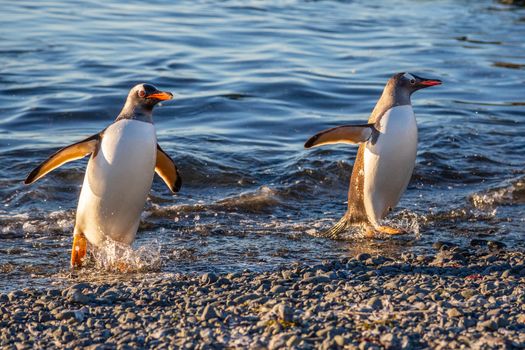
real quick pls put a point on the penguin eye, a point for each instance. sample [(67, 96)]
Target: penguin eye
[(142, 93), (412, 81)]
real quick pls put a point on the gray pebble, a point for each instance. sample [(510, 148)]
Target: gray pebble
[(209, 277), (451, 299), (453, 312), (284, 312), (363, 256), (375, 303), (71, 314), (208, 313)]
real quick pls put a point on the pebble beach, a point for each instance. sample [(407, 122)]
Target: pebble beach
[(454, 298)]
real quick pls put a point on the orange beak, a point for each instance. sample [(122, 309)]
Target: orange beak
[(161, 95), (430, 82)]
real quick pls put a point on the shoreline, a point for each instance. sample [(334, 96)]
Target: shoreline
[(453, 298)]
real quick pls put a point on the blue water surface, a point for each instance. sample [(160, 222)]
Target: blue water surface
[(253, 80)]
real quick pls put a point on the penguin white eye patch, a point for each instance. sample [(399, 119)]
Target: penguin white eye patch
[(409, 76)]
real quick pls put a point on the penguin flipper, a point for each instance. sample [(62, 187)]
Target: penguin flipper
[(341, 134), (166, 169), (67, 154)]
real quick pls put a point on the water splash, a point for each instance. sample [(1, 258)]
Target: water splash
[(117, 257), (406, 221)]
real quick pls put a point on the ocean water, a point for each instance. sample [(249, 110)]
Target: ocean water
[(253, 81)]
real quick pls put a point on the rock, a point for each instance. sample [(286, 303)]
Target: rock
[(223, 281), (375, 303), (206, 335), (78, 287), (13, 296), (443, 246), (363, 256), (243, 298), (208, 313), (208, 278), (518, 269), (502, 322), (468, 293), (390, 341), (478, 243), (490, 325), (161, 333), (53, 293), (79, 298), (325, 332), (70, 314), (278, 341), (495, 245), (390, 285), (128, 317), (292, 341), (339, 340), (283, 312), (366, 345), (278, 289), (109, 296), (453, 312), (287, 274), (316, 279)]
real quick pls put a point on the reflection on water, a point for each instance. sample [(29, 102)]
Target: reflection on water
[(253, 80)]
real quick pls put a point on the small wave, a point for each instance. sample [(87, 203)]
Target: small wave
[(513, 194), (461, 214), (261, 200), (42, 224)]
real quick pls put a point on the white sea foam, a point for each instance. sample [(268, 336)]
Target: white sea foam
[(506, 195)]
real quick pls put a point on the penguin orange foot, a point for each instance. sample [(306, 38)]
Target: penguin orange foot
[(373, 232), (389, 230), (79, 249)]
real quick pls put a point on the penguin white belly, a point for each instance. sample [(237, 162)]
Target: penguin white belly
[(389, 161), (117, 182)]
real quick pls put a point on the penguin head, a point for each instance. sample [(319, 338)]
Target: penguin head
[(411, 82), (140, 102), (147, 96)]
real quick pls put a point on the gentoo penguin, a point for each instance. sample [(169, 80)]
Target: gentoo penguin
[(119, 174), (385, 158)]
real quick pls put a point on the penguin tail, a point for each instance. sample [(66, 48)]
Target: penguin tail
[(336, 230)]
